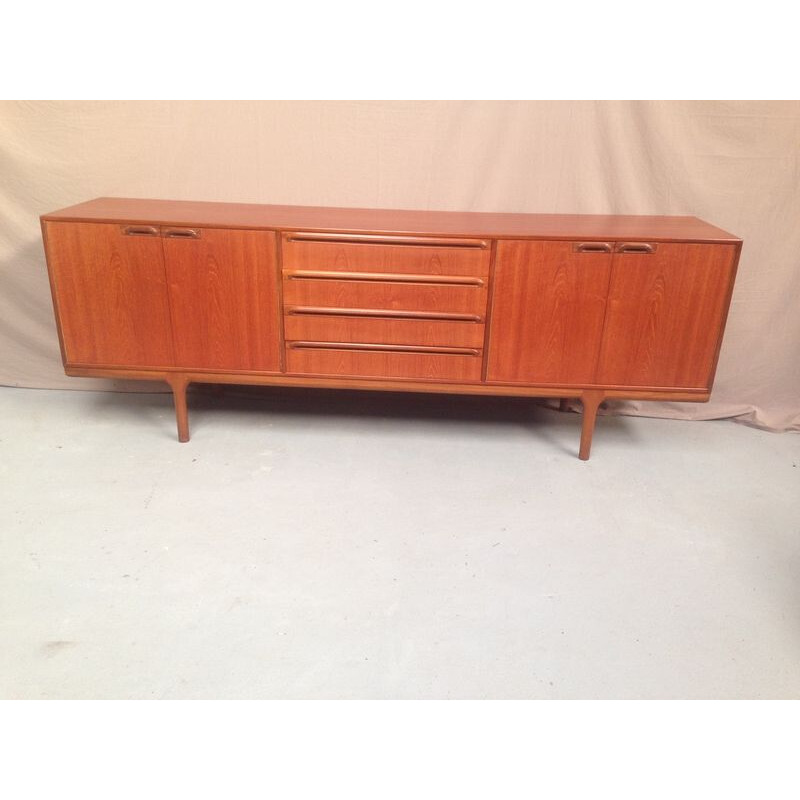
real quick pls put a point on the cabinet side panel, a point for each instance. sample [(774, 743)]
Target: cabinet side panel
[(224, 298), (548, 305), (111, 295), (665, 316)]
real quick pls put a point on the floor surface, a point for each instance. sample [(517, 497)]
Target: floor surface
[(343, 545)]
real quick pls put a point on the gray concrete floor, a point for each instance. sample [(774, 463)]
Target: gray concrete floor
[(344, 545)]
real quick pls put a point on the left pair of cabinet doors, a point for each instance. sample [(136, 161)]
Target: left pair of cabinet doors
[(204, 302)]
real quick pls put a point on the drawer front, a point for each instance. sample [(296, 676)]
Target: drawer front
[(387, 295), (347, 328), (453, 365), (420, 255)]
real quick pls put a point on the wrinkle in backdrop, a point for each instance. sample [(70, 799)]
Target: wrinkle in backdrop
[(734, 164)]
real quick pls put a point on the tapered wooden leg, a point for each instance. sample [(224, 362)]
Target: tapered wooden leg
[(563, 404), (179, 385), (591, 402)]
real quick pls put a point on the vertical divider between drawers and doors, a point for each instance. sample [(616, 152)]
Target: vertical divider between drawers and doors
[(281, 311), (487, 320)]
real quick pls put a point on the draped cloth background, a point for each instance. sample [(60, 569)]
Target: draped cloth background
[(734, 164)]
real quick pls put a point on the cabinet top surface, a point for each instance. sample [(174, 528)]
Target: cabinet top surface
[(390, 221)]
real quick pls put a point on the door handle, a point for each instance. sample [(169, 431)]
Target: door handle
[(182, 233), (139, 230), (592, 247), (636, 247)]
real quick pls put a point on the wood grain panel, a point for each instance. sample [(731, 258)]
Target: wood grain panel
[(665, 316), (110, 294), (413, 259), (373, 221), (385, 295), (383, 364), (328, 328), (548, 306), (223, 290)]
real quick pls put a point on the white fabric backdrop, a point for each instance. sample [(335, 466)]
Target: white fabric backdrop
[(734, 164)]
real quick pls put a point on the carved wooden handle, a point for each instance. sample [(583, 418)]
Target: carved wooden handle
[(390, 277), (383, 348), (182, 233), (366, 238), (140, 230), (592, 247), (382, 313), (636, 247)]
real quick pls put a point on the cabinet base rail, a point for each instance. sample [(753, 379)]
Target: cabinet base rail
[(591, 398)]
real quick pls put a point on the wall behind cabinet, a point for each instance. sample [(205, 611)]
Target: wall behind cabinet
[(732, 163)]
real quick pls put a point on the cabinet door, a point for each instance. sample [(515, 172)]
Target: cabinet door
[(548, 304), (223, 294), (666, 312), (110, 292)]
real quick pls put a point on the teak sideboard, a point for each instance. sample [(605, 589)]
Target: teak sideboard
[(562, 306)]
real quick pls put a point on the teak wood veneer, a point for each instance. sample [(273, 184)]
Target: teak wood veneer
[(538, 305)]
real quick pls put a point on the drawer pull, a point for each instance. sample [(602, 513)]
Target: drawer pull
[(384, 277), (182, 233), (592, 247), (385, 348), (407, 241), (636, 247), (381, 313), (140, 230)]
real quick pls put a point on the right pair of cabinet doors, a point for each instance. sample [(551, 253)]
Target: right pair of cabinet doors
[(563, 315)]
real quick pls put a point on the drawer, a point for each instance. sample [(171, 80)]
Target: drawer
[(383, 330), (387, 254), (465, 298), (370, 361)]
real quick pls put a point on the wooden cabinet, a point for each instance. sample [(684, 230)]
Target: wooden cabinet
[(588, 307)]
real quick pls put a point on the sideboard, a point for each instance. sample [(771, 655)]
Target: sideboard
[(582, 307)]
